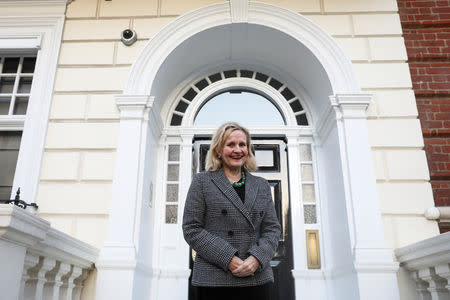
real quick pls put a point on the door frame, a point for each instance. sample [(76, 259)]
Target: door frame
[(285, 203)]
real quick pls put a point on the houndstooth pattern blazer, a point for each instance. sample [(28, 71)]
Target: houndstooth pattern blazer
[(218, 225)]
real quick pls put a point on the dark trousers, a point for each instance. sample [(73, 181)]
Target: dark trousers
[(260, 292)]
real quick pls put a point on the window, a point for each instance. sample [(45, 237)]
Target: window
[(247, 108), (30, 38), (16, 77), (237, 102), (9, 150)]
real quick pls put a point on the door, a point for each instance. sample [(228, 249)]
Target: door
[(271, 157)]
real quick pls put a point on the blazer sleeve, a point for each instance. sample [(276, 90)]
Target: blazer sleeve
[(265, 247), (210, 247)]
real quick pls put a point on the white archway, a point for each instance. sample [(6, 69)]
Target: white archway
[(129, 264)]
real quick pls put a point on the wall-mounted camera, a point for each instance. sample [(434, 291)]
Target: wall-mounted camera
[(128, 37)]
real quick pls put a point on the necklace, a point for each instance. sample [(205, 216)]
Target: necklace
[(239, 183)]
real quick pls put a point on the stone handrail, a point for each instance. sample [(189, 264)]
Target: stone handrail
[(428, 263), (39, 262)]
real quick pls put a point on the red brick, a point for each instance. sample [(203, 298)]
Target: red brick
[(436, 43), (427, 41), (438, 70), (439, 86), (440, 10), (421, 4)]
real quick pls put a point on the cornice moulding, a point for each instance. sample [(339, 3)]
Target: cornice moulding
[(10, 8)]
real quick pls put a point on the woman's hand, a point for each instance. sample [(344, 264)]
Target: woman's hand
[(246, 268), (235, 263)]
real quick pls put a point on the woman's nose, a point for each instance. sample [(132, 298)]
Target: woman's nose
[(237, 148)]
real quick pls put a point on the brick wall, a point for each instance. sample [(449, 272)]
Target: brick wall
[(426, 30)]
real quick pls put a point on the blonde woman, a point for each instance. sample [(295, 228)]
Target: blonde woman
[(230, 221)]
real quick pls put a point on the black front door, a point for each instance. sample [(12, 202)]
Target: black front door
[(271, 156)]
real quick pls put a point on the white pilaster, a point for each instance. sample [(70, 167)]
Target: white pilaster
[(118, 260), (372, 258)]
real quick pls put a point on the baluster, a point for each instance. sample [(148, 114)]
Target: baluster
[(444, 272), (54, 283), (35, 284), (30, 262), (436, 284), (76, 294), (421, 287), (68, 283)]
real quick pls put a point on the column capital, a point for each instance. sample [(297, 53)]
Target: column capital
[(351, 106), (133, 107)]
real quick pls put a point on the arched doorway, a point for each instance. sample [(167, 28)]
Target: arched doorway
[(145, 250), (273, 110)]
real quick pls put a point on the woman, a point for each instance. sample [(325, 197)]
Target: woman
[(230, 221)]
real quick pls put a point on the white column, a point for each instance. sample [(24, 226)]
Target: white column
[(372, 258), (117, 261)]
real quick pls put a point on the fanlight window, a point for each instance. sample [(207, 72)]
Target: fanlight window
[(246, 108), (194, 89)]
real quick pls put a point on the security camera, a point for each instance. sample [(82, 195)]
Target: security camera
[(128, 37)]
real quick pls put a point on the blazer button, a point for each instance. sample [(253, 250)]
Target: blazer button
[(224, 212), (230, 233)]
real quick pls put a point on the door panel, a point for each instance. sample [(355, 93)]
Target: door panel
[(271, 157)]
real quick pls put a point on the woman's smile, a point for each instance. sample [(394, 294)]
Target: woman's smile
[(235, 151)]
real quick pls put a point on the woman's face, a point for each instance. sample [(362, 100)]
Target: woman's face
[(235, 151)]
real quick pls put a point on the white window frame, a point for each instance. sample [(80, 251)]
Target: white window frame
[(32, 27)]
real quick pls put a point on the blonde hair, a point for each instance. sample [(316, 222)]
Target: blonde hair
[(213, 163)]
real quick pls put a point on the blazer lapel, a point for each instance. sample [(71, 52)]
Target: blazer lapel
[(221, 181), (251, 190)]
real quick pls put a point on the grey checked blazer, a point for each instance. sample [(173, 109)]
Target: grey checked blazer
[(217, 225)]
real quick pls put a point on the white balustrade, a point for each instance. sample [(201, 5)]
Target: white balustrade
[(39, 262), (428, 261)]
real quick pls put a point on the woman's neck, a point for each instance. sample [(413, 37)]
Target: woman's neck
[(233, 175)]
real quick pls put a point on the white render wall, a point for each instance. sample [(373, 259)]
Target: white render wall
[(77, 168)]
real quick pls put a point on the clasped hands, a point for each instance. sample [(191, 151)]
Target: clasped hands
[(243, 268)]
